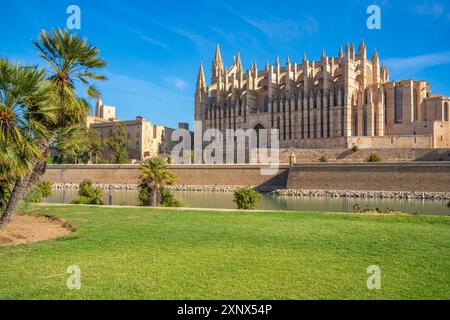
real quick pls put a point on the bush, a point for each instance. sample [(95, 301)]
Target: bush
[(168, 198), (324, 158), (374, 158), (40, 192), (247, 198), (88, 194), (355, 149)]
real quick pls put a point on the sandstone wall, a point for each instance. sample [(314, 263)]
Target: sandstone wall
[(346, 155), (419, 177), (224, 175)]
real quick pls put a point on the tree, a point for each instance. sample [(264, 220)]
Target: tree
[(88, 194), (72, 62), (71, 143), (247, 198), (25, 111), (154, 175), (94, 147), (118, 144)]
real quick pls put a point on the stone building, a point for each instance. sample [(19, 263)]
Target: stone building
[(331, 103), (144, 138)]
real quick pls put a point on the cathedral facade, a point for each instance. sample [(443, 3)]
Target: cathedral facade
[(336, 102)]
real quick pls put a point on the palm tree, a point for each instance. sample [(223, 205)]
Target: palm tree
[(154, 176), (25, 113), (72, 62)]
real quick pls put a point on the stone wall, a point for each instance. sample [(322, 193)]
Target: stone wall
[(223, 175), (346, 155), (418, 177)]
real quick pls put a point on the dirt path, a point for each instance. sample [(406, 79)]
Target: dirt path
[(28, 229)]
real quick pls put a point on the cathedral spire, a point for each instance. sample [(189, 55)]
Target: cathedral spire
[(375, 55), (267, 65), (277, 61), (323, 56), (255, 68), (341, 53), (201, 82), (288, 61), (218, 56), (238, 62), (217, 65), (304, 58), (347, 50), (362, 50)]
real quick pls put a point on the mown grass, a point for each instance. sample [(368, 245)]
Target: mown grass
[(166, 254)]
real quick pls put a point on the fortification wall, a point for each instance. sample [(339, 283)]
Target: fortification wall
[(418, 177), (223, 175)]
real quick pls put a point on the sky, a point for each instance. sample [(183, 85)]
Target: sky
[(154, 48)]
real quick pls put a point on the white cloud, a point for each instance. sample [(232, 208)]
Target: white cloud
[(158, 103), (429, 8), (197, 39), (403, 66), (151, 40), (177, 82), (281, 30)]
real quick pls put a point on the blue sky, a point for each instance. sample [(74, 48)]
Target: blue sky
[(153, 48)]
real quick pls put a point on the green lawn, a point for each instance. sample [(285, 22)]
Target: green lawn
[(158, 254)]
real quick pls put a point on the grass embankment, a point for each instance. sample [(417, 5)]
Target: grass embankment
[(162, 254)]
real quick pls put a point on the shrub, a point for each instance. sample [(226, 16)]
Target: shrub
[(355, 149), (324, 158), (247, 198), (88, 194), (168, 198), (374, 158), (40, 192)]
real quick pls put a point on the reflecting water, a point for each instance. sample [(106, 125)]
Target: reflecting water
[(224, 200)]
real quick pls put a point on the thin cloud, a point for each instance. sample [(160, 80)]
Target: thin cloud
[(195, 38), (177, 82), (151, 40), (428, 8), (160, 104), (403, 66), (281, 30)]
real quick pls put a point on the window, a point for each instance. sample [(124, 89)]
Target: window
[(137, 144), (398, 104), (415, 106), (128, 136), (366, 130), (446, 111), (266, 104)]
